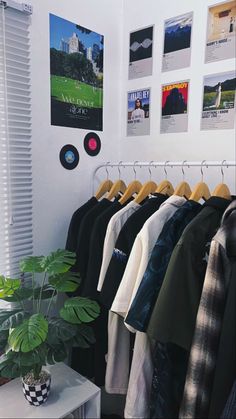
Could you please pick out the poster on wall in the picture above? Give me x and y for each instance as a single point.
(218, 107)
(177, 42)
(221, 31)
(174, 113)
(76, 70)
(138, 121)
(140, 53)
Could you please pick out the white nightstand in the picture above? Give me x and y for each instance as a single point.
(70, 394)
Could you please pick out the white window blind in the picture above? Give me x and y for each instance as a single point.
(16, 240)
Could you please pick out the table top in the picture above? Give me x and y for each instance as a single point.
(69, 390)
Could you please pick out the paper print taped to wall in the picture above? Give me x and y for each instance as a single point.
(138, 122)
(174, 115)
(218, 107)
(140, 53)
(221, 32)
(177, 42)
(76, 64)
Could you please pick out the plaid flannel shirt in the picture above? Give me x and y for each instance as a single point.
(203, 356)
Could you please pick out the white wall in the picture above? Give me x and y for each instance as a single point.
(58, 192)
(194, 144)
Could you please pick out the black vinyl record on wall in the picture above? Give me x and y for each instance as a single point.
(69, 156)
(92, 144)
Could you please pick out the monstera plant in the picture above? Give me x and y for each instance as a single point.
(30, 337)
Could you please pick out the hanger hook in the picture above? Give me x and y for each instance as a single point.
(222, 171)
(107, 163)
(182, 168)
(202, 163)
(149, 168)
(119, 164)
(135, 174)
(167, 161)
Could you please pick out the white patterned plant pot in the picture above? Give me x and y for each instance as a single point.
(36, 394)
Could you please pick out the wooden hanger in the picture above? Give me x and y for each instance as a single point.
(118, 186)
(104, 187)
(133, 187)
(201, 190)
(165, 187)
(222, 191)
(147, 188)
(183, 189)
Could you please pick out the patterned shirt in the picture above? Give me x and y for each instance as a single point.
(205, 344)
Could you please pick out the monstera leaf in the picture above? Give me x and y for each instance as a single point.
(31, 264)
(56, 353)
(85, 336)
(30, 334)
(60, 331)
(19, 295)
(79, 310)
(8, 286)
(9, 319)
(58, 262)
(66, 282)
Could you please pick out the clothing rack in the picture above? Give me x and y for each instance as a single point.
(204, 163)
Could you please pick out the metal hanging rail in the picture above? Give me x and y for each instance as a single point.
(165, 164)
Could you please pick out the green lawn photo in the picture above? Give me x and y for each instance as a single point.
(227, 96)
(76, 92)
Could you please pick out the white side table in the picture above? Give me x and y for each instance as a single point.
(70, 394)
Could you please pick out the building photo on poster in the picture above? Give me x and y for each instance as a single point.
(76, 70)
(218, 107)
(140, 53)
(138, 120)
(174, 113)
(177, 42)
(221, 31)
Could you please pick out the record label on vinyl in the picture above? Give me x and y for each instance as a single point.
(69, 157)
(92, 144)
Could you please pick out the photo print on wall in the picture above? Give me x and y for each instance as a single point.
(174, 114)
(177, 42)
(218, 108)
(140, 53)
(76, 69)
(221, 32)
(138, 117)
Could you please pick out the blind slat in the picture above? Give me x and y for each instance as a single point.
(16, 198)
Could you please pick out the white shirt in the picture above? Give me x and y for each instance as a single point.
(112, 232)
(138, 114)
(140, 254)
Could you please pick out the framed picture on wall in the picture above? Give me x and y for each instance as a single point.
(138, 114)
(177, 42)
(140, 53)
(218, 104)
(174, 108)
(221, 32)
(76, 70)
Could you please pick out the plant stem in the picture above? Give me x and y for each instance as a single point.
(41, 291)
(33, 289)
(50, 302)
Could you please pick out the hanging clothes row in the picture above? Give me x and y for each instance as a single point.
(162, 270)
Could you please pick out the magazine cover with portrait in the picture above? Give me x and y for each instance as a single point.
(174, 112)
(218, 106)
(140, 53)
(221, 31)
(138, 118)
(177, 42)
(76, 69)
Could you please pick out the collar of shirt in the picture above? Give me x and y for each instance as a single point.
(175, 200)
(217, 203)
